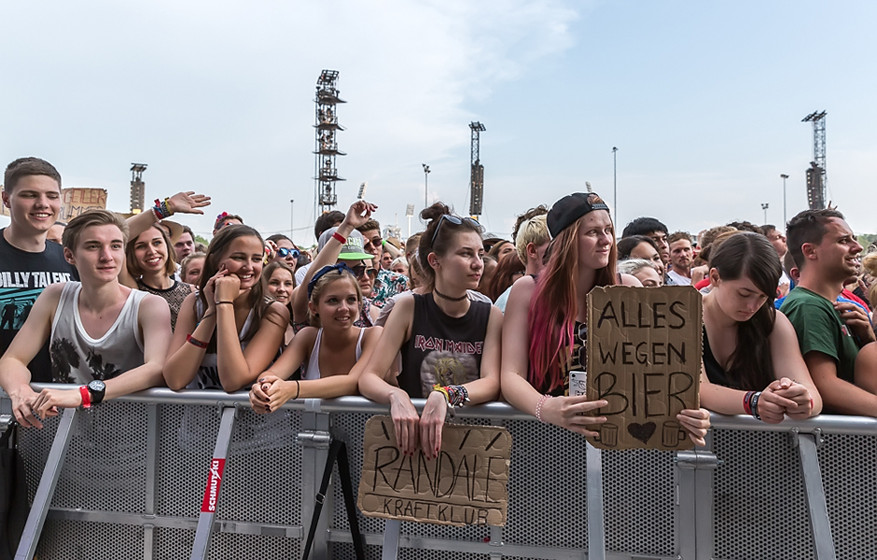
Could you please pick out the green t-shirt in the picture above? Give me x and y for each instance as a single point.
(820, 329)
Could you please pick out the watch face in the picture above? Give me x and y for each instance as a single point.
(97, 385)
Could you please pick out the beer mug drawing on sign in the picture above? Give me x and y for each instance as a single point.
(673, 433)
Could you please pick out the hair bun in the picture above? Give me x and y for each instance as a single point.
(437, 210)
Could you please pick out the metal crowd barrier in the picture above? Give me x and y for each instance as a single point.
(137, 477)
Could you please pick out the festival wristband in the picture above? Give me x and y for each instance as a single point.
(195, 342)
(340, 238)
(86, 396)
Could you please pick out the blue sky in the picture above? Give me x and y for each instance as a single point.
(704, 101)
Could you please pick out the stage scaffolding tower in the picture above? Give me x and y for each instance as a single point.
(476, 171)
(326, 144)
(817, 177)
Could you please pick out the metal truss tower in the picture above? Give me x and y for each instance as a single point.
(817, 176)
(476, 173)
(326, 145)
(138, 188)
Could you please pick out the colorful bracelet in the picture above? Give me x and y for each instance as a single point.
(161, 209)
(195, 342)
(747, 408)
(753, 405)
(340, 238)
(541, 402)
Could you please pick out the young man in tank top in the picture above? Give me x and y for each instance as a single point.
(103, 335)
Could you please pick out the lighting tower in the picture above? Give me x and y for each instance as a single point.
(325, 144)
(138, 188)
(476, 174)
(817, 177)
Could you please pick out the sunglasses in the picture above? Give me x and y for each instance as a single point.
(457, 221)
(360, 270)
(283, 252)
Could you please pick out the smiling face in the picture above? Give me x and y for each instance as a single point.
(739, 299)
(837, 254)
(243, 258)
(280, 285)
(596, 236)
(99, 253)
(150, 251)
(337, 303)
(34, 204)
(290, 258)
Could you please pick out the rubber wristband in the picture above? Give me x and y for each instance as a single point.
(195, 342)
(340, 238)
(747, 408)
(224, 302)
(86, 396)
(297, 389)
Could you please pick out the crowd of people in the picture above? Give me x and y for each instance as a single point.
(449, 316)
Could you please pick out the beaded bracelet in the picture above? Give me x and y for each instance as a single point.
(161, 209)
(541, 402)
(195, 342)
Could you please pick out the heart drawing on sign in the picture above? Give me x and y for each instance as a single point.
(642, 432)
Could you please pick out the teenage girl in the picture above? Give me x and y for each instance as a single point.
(226, 332)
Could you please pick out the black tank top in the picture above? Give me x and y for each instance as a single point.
(442, 349)
(714, 371)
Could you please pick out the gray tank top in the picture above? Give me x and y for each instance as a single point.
(79, 358)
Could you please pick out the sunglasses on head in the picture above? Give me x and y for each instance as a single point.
(283, 252)
(456, 220)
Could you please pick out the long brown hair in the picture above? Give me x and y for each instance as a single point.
(552, 314)
(218, 246)
(751, 255)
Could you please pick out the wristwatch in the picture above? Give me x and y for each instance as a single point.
(96, 389)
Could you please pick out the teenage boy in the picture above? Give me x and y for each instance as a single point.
(32, 193)
(111, 339)
(836, 337)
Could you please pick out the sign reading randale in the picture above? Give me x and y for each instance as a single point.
(644, 358)
(467, 484)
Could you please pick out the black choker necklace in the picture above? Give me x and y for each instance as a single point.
(449, 298)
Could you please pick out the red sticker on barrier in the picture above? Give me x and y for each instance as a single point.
(211, 491)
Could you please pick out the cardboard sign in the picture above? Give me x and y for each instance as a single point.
(76, 200)
(467, 484)
(644, 358)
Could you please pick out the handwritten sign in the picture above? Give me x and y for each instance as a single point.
(644, 358)
(467, 484)
(76, 200)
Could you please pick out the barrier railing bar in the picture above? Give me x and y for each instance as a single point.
(315, 439)
(704, 498)
(473, 547)
(390, 545)
(168, 522)
(220, 453)
(43, 498)
(596, 525)
(496, 541)
(686, 518)
(150, 482)
(815, 493)
(825, 423)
